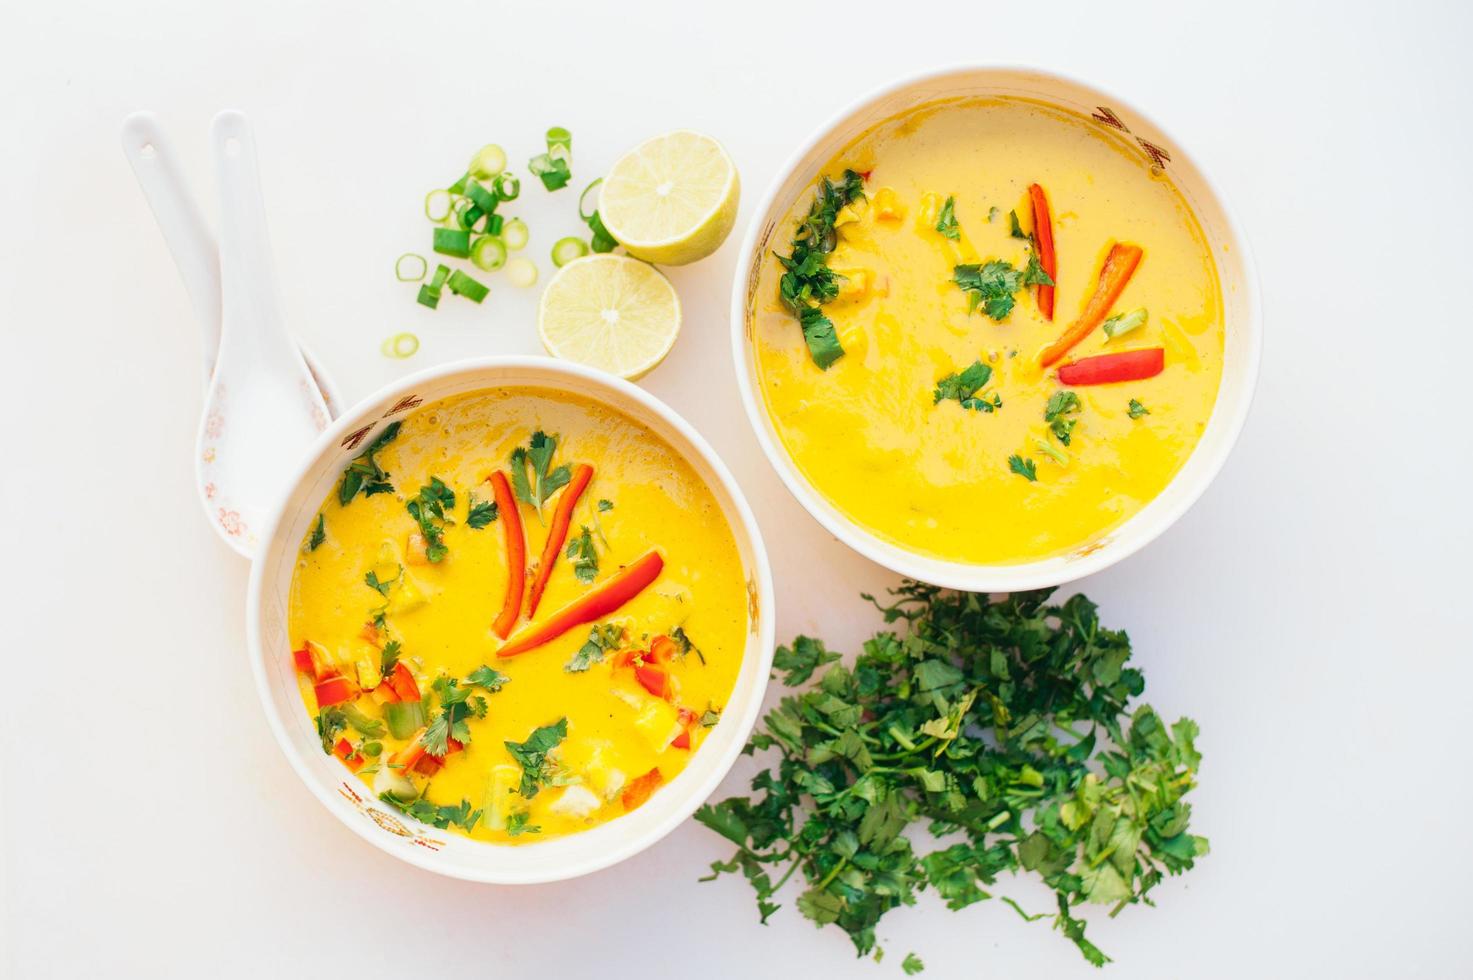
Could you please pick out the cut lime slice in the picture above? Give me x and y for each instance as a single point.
(672, 199)
(610, 312)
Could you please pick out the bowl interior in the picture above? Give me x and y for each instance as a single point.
(1240, 310)
(440, 850)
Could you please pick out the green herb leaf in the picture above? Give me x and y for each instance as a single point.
(487, 678)
(534, 487)
(684, 646)
(1033, 272)
(1136, 409)
(382, 587)
(807, 280)
(364, 472)
(516, 824)
(584, 557)
(481, 513)
(388, 657)
(319, 534)
(912, 964)
(946, 221)
(1023, 467)
(429, 510)
(532, 755)
(1061, 404)
(605, 505)
(460, 815)
(990, 285)
(601, 639)
(963, 387)
(1015, 229)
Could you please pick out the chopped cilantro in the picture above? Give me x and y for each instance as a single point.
(946, 222)
(1023, 467)
(601, 639)
(992, 214)
(683, 645)
(516, 824)
(442, 817)
(481, 513)
(1061, 403)
(807, 280)
(1015, 229)
(364, 471)
(456, 705)
(1136, 409)
(584, 557)
(544, 481)
(1034, 274)
(532, 754)
(963, 387)
(319, 534)
(388, 657)
(487, 678)
(710, 717)
(429, 510)
(990, 285)
(382, 586)
(605, 505)
(330, 724)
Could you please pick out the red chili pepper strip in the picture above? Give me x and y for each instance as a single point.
(1127, 365)
(403, 682)
(1114, 274)
(641, 788)
(603, 600)
(334, 690)
(344, 750)
(1043, 234)
(516, 555)
(557, 534)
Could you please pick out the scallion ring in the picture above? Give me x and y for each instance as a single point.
(488, 253)
(507, 185)
(559, 138)
(489, 161)
(514, 234)
(437, 205)
(565, 250)
(400, 346)
(494, 224)
(521, 272)
(484, 199)
(411, 267)
(587, 215)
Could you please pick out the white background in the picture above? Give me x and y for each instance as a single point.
(1311, 612)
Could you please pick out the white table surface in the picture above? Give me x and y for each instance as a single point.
(1308, 612)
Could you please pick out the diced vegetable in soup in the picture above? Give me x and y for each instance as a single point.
(518, 615)
(991, 333)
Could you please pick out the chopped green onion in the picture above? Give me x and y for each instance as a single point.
(428, 297)
(514, 235)
(442, 272)
(459, 186)
(463, 285)
(557, 137)
(494, 224)
(1049, 450)
(1125, 322)
(453, 241)
(521, 272)
(488, 253)
(602, 240)
(508, 186)
(484, 199)
(489, 161)
(468, 216)
(401, 345)
(554, 173)
(437, 205)
(411, 267)
(565, 250)
(583, 198)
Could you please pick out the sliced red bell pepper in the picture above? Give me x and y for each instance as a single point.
(516, 555)
(428, 765)
(335, 690)
(557, 534)
(344, 750)
(401, 679)
(385, 694)
(662, 650)
(602, 601)
(1127, 365)
(312, 659)
(654, 680)
(1043, 235)
(641, 788)
(1119, 266)
(409, 756)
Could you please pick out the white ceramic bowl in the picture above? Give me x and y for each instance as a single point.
(344, 795)
(1240, 304)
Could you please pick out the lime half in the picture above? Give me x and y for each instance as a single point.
(671, 199)
(610, 312)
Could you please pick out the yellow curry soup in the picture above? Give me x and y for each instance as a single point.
(398, 593)
(934, 256)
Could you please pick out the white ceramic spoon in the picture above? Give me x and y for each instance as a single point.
(263, 408)
(151, 154)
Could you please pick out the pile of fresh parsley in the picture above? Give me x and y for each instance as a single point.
(808, 281)
(989, 737)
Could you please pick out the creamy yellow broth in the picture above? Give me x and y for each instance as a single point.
(442, 613)
(935, 478)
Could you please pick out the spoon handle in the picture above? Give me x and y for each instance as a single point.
(156, 166)
(253, 328)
